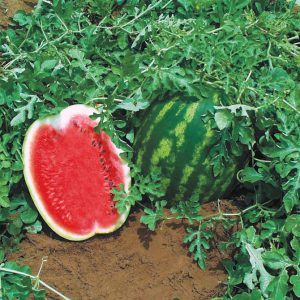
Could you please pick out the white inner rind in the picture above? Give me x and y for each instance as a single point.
(61, 121)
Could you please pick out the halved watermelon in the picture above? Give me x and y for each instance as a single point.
(70, 171)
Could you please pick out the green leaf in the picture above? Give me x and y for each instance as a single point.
(280, 80)
(290, 199)
(275, 260)
(197, 238)
(151, 217)
(29, 215)
(292, 224)
(268, 229)
(257, 266)
(4, 201)
(254, 295)
(129, 65)
(141, 36)
(238, 109)
(29, 108)
(249, 174)
(2, 255)
(39, 295)
(188, 209)
(223, 119)
(130, 136)
(295, 243)
(14, 229)
(48, 64)
(123, 40)
(77, 54)
(237, 269)
(34, 228)
(174, 77)
(22, 18)
(278, 287)
(295, 281)
(136, 103)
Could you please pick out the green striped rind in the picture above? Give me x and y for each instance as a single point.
(175, 138)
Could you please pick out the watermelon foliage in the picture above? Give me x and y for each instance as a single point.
(128, 54)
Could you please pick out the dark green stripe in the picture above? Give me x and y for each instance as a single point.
(162, 130)
(150, 125)
(194, 135)
(220, 183)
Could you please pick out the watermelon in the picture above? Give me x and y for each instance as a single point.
(70, 171)
(174, 137)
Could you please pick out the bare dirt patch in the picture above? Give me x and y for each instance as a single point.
(132, 263)
(9, 7)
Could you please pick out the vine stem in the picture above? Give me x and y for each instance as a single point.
(244, 87)
(290, 105)
(143, 13)
(220, 214)
(150, 7)
(238, 214)
(35, 278)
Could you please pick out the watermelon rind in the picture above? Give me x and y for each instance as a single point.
(59, 121)
(174, 137)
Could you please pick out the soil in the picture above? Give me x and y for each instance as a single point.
(132, 263)
(9, 7)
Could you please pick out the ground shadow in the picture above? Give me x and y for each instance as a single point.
(145, 236)
(178, 225)
(218, 267)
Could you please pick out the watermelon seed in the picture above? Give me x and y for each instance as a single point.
(51, 194)
(69, 216)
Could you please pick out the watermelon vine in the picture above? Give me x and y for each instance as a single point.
(126, 55)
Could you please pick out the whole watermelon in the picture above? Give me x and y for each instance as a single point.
(174, 137)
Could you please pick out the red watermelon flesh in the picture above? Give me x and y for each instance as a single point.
(70, 171)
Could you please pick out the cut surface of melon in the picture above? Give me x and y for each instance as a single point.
(70, 171)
